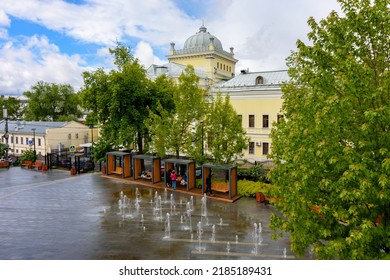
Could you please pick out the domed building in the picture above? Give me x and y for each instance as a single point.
(256, 96)
(204, 51)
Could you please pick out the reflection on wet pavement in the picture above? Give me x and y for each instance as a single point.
(54, 215)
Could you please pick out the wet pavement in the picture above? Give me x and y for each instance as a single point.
(55, 216)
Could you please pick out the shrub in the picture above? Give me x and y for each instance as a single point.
(248, 188)
(27, 155)
(255, 173)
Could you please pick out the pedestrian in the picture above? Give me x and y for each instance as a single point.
(168, 178)
(173, 179)
(208, 184)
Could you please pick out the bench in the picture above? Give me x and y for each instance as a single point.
(179, 181)
(4, 164)
(38, 165)
(118, 170)
(220, 187)
(27, 163)
(146, 175)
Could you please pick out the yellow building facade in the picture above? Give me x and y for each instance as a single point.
(48, 136)
(256, 96)
(204, 51)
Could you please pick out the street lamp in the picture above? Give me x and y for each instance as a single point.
(202, 140)
(5, 115)
(35, 153)
(91, 148)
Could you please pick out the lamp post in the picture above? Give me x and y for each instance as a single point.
(5, 115)
(35, 153)
(91, 148)
(202, 139)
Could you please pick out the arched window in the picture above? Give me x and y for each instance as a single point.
(259, 80)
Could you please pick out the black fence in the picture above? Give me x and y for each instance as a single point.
(66, 160)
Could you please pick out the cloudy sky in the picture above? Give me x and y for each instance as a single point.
(56, 40)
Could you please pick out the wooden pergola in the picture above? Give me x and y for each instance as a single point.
(230, 187)
(190, 167)
(154, 174)
(119, 163)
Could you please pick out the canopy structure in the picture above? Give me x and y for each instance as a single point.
(119, 163)
(230, 186)
(183, 167)
(153, 173)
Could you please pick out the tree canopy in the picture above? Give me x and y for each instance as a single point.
(333, 151)
(52, 102)
(225, 135)
(173, 128)
(13, 106)
(120, 101)
(195, 121)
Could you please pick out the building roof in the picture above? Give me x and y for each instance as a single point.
(202, 39)
(255, 79)
(172, 70)
(201, 43)
(26, 127)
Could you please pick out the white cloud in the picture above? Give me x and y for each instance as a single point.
(34, 59)
(144, 52)
(4, 22)
(262, 32)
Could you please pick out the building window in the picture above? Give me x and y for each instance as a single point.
(279, 118)
(16, 140)
(251, 148)
(77, 136)
(12, 139)
(27, 140)
(217, 64)
(39, 141)
(21, 140)
(259, 80)
(265, 121)
(240, 118)
(265, 148)
(17, 151)
(251, 120)
(69, 136)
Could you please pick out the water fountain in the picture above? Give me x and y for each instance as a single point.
(204, 217)
(188, 215)
(255, 239)
(172, 204)
(199, 232)
(260, 237)
(228, 247)
(137, 195)
(168, 227)
(179, 218)
(212, 239)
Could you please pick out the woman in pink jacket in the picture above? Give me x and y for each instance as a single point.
(173, 179)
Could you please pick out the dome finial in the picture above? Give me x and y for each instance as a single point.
(202, 28)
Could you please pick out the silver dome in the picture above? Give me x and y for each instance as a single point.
(202, 39)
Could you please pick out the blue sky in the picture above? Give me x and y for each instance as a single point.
(56, 40)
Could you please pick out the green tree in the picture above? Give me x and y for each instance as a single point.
(3, 148)
(333, 151)
(27, 155)
(120, 100)
(173, 132)
(52, 102)
(225, 136)
(13, 106)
